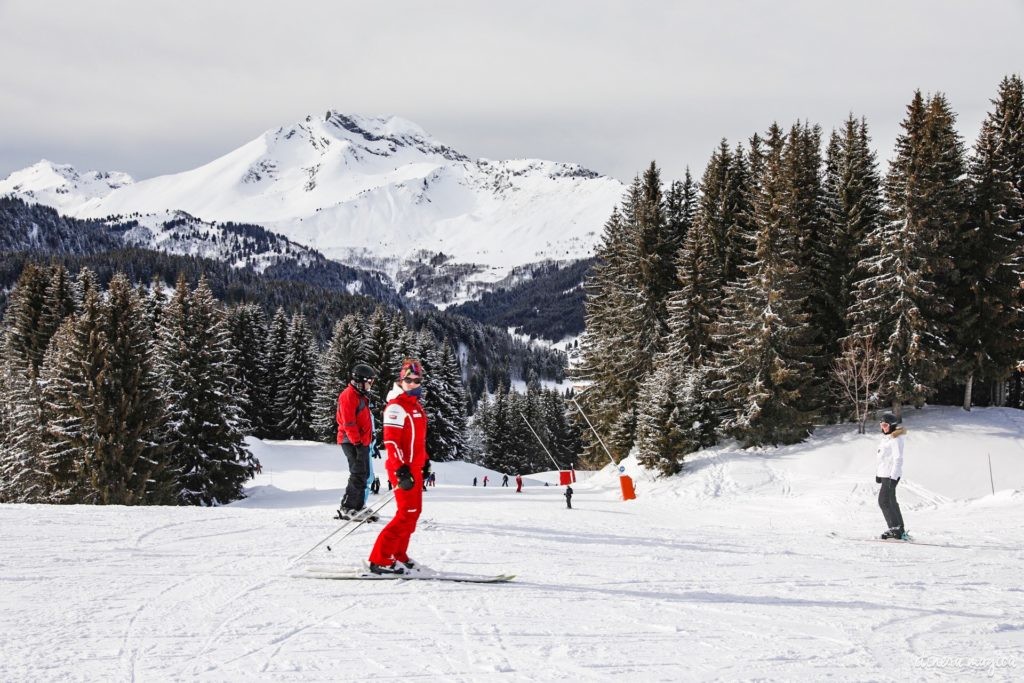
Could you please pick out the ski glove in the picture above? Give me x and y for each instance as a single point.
(426, 469)
(404, 477)
(878, 480)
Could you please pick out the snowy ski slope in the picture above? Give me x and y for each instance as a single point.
(726, 572)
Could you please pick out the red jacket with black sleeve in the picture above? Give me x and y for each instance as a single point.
(405, 434)
(354, 424)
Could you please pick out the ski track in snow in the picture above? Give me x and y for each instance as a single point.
(724, 573)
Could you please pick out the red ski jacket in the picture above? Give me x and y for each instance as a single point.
(405, 433)
(354, 425)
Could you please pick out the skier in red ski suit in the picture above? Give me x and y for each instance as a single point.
(405, 437)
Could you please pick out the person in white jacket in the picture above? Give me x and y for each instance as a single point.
(889, 473)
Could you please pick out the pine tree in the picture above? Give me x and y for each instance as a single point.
(906, 300)
(989, 320)
(626, 319)
(761, 372)
(566, 437)
(694, 307)
(247, 330)
(154, 303)
(384, 344)
(26, 337)
(500, 445)
(124, 462)
(74, 409)
(298, 391)
(205, 441)
(343, 352)
(806, 224)
(276, 356)
(852, 187)
(680, 211)
(58, 303)
(446, 437)
(679, 419)
(23, 474)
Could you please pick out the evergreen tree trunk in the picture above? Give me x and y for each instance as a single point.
(968, 388)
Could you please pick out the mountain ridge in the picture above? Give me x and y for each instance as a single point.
(346, 184)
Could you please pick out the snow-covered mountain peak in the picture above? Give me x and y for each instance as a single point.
(61, 186)
(358, 138)
(363, 188)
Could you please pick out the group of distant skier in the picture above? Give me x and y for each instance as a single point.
(408, 464)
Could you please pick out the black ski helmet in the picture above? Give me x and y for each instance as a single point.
(891, 420)
(362, 373)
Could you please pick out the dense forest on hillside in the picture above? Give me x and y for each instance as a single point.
(739, 305)
(545, 301)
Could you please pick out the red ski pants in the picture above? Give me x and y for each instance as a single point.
(393, 542)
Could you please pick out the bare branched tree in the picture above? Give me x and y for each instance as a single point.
(856, 371)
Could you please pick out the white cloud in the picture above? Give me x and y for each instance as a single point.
(160, 86)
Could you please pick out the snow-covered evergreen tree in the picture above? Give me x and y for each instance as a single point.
(343, 352)
(26, 337)
(385, 345)
(446, 399)
(500, 441)
(204, 436)
(276, 355)
(989, 317)
(625, 319)
(761, 372)
(74, 408)
(58, 304)
(811, 234)
(906, 300)
(853, 209)
(565, 434)
(23, 474)
(124, 462)
(298, 390)
(247, 329)
(679, 417)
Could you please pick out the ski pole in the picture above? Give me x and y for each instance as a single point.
(345, 524)
(357, 525)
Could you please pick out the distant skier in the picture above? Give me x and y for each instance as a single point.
(888, 474)
(485, 480)
(432, 479)
(355, 434)
(519, 483)
(375, 486)
(405, 436)
(474, 481)
(504, 480)
(568, 497)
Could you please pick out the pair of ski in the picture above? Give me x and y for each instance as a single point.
(909, 540)
(354, 574)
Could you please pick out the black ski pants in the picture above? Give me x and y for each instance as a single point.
(358, 470)
(887, 501)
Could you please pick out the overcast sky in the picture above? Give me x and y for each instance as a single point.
(157, 86)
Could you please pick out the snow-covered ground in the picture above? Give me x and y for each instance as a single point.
(725, 572)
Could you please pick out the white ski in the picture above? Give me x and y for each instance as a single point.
(355, 574)
(906, 541)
